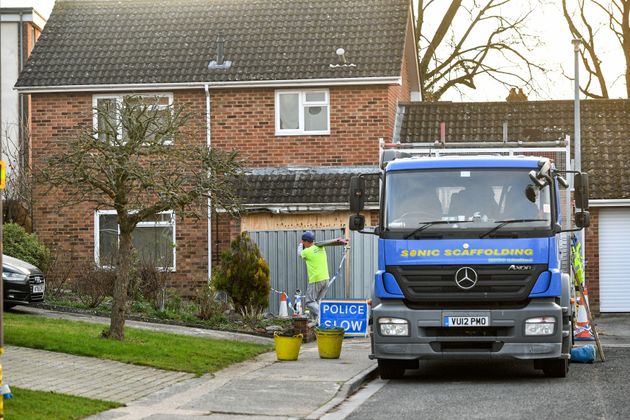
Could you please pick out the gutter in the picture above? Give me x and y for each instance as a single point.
(299, 207)
(215, 85)
(618, 202)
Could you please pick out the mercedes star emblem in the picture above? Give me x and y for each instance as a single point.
(466, 278)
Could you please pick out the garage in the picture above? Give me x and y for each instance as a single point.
(614, 261)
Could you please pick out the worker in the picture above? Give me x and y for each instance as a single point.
(317, 269)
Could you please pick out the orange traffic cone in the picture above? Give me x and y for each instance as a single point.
(583, 331)
(284, 309)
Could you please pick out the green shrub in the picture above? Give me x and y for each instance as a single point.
(26, 246)
(244, 274)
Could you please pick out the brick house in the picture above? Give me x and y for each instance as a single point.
(306, 84)
(605, 128)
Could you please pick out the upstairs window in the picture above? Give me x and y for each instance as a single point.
(107, 113)
(302, 112)
(153, 239)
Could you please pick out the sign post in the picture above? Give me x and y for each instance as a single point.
(350, 314)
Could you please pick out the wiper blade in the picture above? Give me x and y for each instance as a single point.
(426, 225)
(502, 223)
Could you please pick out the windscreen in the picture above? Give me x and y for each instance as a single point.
(465, 200)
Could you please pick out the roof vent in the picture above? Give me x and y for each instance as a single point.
(341, 56)
(341, 59)
(220, 63)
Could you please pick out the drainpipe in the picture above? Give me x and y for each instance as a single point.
(20, 157)
(209, 144)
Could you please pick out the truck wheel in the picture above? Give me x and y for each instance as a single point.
(391, 369)
(555, 368)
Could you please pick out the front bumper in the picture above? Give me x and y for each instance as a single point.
(23, 292)
(504, 338)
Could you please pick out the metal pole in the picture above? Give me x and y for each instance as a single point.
(576, 106)
(576, 125)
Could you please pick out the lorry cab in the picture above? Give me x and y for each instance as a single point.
(469, 262)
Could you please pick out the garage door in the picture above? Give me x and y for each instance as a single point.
(614, 261)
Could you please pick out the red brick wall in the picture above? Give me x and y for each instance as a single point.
(592, 260)
(245, 120)
(70, 228)
(242, 119)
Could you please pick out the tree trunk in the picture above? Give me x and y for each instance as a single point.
(117, 326)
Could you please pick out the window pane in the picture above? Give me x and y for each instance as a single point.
(154, 245)
(107, 238)
(289, 112)
(107, 124)
(316, 118)
(315, 96)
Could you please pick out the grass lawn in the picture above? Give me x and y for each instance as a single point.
(160, 350)
(42, 405)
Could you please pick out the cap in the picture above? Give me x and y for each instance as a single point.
(308, 236)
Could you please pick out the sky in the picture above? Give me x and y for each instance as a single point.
(556, 54)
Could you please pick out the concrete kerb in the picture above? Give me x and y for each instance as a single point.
(349, 388)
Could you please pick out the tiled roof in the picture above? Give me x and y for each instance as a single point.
(321, 186)
(89, 42)
(605, 131)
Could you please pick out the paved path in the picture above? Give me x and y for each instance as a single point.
(262, 388)
(83, 376)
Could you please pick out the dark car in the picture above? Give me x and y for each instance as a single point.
(23, 282)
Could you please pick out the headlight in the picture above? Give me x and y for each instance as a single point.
(14, 277)
(393, 326)
(544, 325)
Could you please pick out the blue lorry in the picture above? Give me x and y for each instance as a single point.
(469, 260)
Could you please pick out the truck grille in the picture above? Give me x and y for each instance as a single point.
(435, 286)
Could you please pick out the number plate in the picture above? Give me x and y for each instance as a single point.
(39, 288)
(466, 321)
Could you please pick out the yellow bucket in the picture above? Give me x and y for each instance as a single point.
(329, 342)
(287, 348)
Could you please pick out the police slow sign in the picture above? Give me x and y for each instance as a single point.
(351, 315)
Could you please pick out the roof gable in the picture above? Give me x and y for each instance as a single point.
(103, 42)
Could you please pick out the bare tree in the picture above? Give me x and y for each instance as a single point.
(587, 26)
(141, 160)
(18, 190)
(471, 41)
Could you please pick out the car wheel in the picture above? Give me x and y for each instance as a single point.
(9, 305)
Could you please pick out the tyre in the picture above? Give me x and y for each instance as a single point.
(9, 305)
(555, 368)
(567, 342)
(391, 369)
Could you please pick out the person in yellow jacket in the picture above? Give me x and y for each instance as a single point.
(317, 269)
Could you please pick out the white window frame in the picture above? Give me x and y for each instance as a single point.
(119, 98)
(300, 131)
(172, 223)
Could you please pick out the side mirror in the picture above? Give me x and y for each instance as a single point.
(357, 194)
(534, 177)
(582, 219)
(581, 190)
(356, 222)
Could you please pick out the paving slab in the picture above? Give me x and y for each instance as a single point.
(83, 376)
(263, 388)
